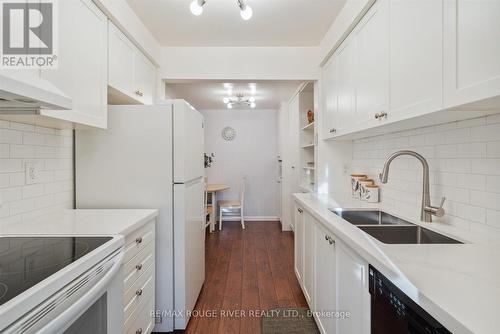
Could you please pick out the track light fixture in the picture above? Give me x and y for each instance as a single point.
(246, 11)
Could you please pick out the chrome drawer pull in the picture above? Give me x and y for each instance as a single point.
(138, 240)
(139, 331)
(138, 92)
(138, 267)
(138, 292)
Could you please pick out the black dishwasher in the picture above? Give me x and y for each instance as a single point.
(394, 312)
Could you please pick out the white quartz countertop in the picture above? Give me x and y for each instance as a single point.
(82, 222)
(458, 284)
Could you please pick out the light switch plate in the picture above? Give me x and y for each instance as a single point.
(32, 170)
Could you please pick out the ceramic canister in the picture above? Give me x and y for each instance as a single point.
(362, 188)
(371, 193)
(355, 178)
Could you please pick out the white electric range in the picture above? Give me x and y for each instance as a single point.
(61, 284)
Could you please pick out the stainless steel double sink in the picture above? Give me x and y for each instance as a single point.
(390, 229)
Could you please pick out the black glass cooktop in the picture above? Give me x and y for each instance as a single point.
(26, 261)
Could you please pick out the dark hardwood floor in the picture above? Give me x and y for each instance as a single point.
(246, 271)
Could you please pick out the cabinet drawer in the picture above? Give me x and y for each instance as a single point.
(140, 292)
(138, 240)
(134, 268)
(142, 322)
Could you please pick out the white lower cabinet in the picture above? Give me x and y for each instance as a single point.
(308, 277)
(324, 283)
(139, 280)
(299, 243)
(334, 279)
(352, 291)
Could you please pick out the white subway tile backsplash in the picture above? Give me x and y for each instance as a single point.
(53, 151)
(464, 159)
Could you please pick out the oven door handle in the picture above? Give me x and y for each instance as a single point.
(65, 319)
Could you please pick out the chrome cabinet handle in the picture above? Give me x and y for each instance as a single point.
(138, 92)
(139, 331)
(333, 130)
(331, 241)
(138, 267)
(138, 292)
(300, 210)
(381, 114)
(138, 240)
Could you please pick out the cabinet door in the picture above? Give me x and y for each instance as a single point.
(346, 86)
(308, 277)
(82, 67)
(371, 37)
(471, 51)
(324, 282)
(330, 94)
(121, 61)
(416, 57)
(293, 166)
(145, 77)
(299, 243)
(352, 291)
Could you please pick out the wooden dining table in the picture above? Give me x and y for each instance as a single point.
(213, 189)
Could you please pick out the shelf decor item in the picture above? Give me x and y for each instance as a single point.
(363, 184)
(310, 116)
(371, 194)
(355, 178)
(228, 133)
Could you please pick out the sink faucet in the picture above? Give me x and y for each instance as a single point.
(427, 209)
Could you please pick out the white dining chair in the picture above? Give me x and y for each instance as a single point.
(232, 207)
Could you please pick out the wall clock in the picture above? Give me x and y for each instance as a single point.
(228, 133)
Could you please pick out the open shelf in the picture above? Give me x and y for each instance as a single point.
(307, 146)
(308, 168)
(309, 126)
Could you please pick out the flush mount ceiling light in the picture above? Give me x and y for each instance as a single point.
(240, 100)
(246, 11)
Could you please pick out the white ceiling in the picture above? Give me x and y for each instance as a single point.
(274, 22)
(208, 95)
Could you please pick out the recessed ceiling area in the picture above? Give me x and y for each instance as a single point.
(209, 95)
(274, 22)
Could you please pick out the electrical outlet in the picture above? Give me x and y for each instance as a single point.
(32, 172)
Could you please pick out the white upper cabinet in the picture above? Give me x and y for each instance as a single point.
(371, 37)
(121, 61)
(82, 63)
(346, 86)
(471, 50)
(324, 283)
(330, 95)
(132, 76)
(416, 60)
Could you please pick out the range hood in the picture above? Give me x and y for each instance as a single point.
(19, 96)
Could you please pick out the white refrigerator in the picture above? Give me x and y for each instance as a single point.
(152, 157)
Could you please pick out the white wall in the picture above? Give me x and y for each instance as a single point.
(253, 153)
(464, 159)
(240, 63)
(53, 150)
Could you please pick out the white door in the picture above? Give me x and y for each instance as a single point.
(299, 243)
(188, 142)
(293, 152)
(372, 63)
(324, 282)
(352, 291)
(471, 50)
(82, 68)
(416, 57)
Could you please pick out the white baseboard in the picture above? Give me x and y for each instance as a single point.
(254, 218)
